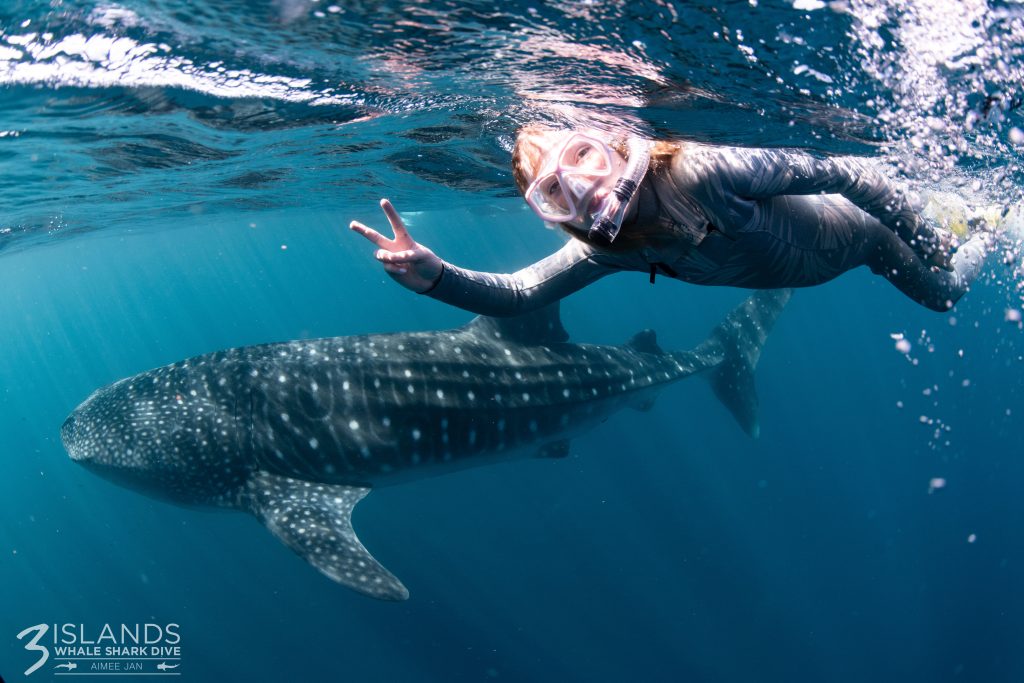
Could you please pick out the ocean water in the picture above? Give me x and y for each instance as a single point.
(177, 178)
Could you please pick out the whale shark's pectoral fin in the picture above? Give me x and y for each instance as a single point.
(315, 520)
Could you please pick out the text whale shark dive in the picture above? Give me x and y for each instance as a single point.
(299, 432)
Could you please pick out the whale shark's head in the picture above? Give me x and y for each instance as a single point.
(152, 432)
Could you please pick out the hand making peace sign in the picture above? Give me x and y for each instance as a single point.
(409, 263)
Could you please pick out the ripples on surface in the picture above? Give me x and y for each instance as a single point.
(115, 113)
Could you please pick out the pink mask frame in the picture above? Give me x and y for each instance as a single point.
(556, 195)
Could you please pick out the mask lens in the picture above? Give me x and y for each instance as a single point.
(586, 155)
(549, 199)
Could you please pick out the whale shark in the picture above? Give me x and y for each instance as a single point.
(297, 433)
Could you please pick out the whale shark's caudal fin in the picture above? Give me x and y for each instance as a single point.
(315, 520)
(740, 338)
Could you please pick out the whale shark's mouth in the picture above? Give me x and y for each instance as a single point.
(71, 444)
(76, 439)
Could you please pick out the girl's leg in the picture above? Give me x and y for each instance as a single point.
(935, 288)
(799, 241)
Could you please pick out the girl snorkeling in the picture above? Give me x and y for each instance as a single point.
(710, 215)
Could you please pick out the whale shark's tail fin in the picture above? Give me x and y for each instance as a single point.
(738, 341)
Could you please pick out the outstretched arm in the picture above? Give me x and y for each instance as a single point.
(568, 270)
(414, 266)
(760, 174)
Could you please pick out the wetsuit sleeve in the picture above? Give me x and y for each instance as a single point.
(571, 268)
(761, 174)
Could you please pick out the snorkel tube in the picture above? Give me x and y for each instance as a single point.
(608, 220)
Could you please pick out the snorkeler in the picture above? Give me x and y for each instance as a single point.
(755, 218)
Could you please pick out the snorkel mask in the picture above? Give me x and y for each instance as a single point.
(565, 192)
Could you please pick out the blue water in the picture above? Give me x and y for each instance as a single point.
(156, 210)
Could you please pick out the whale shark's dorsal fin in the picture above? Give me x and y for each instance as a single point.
(542, 326)
(645, 341)
(315, 520)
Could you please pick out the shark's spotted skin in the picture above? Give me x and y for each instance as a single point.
(413, 407)
(297, 433)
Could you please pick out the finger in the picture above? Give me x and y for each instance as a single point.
(371, 234)
(386, 256)
(401, 234)
(394, 269)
